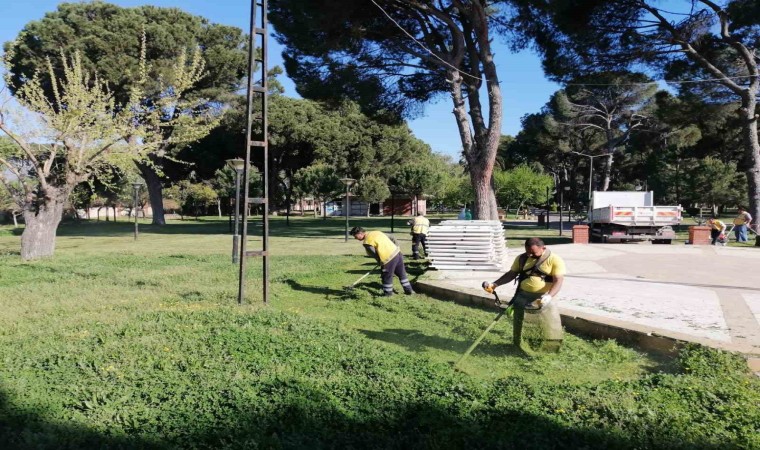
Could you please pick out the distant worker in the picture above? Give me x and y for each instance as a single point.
(742, 221)
(539, 274)
(388, 256)
(420, 227)
(717, 229)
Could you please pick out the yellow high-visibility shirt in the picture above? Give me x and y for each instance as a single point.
(554, 266)
(385, 248)
(718, 225)
(420, 225)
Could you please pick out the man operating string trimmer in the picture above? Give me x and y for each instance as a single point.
(388, 255)
(539, 275)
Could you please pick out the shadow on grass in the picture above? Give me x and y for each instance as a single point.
(304, 415)
(332, 228)
(319, 290)
(419, 342)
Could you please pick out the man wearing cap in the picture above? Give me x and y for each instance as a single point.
(388, 255)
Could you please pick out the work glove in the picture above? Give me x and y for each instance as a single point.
(488, 287)
(539, 303)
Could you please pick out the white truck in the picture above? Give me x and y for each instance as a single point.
(630, 216)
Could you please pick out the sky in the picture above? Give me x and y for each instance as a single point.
(524, 88)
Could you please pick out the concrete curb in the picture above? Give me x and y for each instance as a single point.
(597, 327)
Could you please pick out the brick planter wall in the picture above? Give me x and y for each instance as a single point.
(699, 235)
(580, 234)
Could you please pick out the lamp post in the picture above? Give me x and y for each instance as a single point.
(348, 182)
(237, 165)
(136, 187)
(590, 170)
(561, 203)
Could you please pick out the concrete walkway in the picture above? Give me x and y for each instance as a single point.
(655, 295)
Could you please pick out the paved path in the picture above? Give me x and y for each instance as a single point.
(703, 294)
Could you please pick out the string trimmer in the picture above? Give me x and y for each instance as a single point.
(506, 308)
(350, 288)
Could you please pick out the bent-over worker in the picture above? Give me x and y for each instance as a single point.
(388, 255)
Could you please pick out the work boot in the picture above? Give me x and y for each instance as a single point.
(416, 256)
(409, 291)
(387, 293)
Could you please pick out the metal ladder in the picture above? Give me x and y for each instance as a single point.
(256, 92)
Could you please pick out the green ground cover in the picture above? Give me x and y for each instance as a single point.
(116, 343)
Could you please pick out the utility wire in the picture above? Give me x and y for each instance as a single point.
(706, 80)
(398, 25)
(421, 44)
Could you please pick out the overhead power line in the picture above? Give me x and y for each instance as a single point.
(706, 80)
(398, 25)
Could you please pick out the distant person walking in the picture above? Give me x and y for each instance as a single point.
(742, 221)
(420, 227)
(388, 256)
(717, 228)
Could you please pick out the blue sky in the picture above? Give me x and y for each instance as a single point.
(523, 85)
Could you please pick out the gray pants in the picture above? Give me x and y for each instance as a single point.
(395, 267)
(539, 329)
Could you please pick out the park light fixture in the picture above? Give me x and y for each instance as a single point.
(348, 182)
(237, 164)
(136, 186)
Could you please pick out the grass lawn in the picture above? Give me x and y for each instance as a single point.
(116, 343)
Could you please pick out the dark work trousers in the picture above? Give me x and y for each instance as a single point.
(395, 266)
(418, 238)
(714, 235)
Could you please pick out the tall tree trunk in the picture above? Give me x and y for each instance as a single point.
(607, 175)
(485, 207)
(155, 192)
(38, 238)
(752, 154)
(480, 138)
(219, 207)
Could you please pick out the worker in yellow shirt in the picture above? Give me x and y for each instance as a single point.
(420, 227)
(717, 228)
(388, 255)
(539, 274)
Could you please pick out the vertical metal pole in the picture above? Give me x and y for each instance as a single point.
(265, 124)
(235, 234)
(590, 177)
(347, 205)
(548, 208)
(560, 211)
(393, 209)
(137, 197)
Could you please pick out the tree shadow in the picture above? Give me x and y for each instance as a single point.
(319, 290)
(332, 228)
(316, 416)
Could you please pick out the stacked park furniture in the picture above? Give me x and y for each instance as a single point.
(467, 245)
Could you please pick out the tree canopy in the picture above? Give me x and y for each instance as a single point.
(392, 57)
(112, 42)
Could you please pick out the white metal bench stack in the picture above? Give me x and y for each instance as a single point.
(467, 245)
